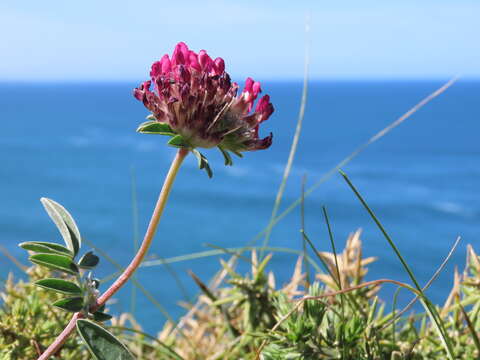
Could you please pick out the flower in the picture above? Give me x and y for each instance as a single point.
(195, 101)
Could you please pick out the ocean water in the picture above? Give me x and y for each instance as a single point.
(76, 143)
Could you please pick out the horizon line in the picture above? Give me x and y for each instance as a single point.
(266, 79)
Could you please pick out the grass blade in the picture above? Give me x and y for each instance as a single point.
(293, 148)
(427, 285)
(304, 243)
(355, 153)
(334, 250)
(232, 251)
(427, 304)
(319, 257)
(471, 327)
(384, 232)
(332, 242)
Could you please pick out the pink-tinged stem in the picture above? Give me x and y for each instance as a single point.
(137, 260)
(152, 228)
(60, 340)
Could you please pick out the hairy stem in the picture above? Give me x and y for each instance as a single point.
(137, 260)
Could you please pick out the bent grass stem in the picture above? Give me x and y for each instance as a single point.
(137, 260)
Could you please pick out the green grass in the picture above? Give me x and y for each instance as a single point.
(338, 315)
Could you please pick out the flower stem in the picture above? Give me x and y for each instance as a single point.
(152, 228)
(137, 260)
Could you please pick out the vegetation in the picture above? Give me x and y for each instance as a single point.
(236, 316)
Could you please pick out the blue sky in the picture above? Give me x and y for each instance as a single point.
(118, 40)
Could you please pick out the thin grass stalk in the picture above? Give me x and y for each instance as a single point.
(324, 264)
(233, 331)
(351, 299)
(332, 243)
(296, 137)
(394, 308)
(13, 259)
(471, 328)
(231, 251)
(355, 153)
(235, 253)
(304, 243)
(427, 285)
(425, 301)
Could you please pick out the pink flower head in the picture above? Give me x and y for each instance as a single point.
(194, 96)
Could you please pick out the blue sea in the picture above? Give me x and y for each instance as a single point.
(76, 144)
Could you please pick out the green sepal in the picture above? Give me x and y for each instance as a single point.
(101, 343)
(178, 141)
(155, 127)
(65, 224)
(89, 261)
(55, 262)
(227, 157)
(203, 162)
(59, 285)
(238, 153)
(101, 316)
(46, 248)
(96, 283)
(73, 304)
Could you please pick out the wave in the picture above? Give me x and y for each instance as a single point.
(449, 207)
(98, 138)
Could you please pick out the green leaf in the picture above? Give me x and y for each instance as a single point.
(101, 343)
(226, 155)
(65, 224)
(46, 248)
(73, 304)
(61, 286)
(101, 316)
(55, 262)
(178, 141)
(150, 117)
(155, 127)
(89, 260)
(203, 162)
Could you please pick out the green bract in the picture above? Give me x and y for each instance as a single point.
(178, 141)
